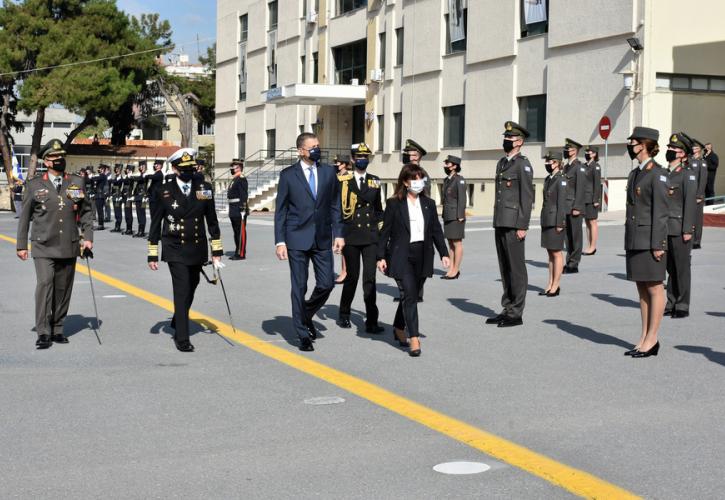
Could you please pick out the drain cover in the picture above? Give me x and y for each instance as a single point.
(461, 468)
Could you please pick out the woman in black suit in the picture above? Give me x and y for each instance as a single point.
(405, 248)
(553, 222)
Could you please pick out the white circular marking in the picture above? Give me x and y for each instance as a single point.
(461, 468)
(324, 400)
(114, 296)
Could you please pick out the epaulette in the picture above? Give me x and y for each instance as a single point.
(343, 178)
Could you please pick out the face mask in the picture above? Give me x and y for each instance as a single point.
(565, 152)
(670, 156)
(417, 186)
(508, 145)
(406, 158)
(59, 164)
(549, 167)
(361, 163)
(315, 154)
(186, 175)
(587, 156)
(233, 171)
(446, 171)
(630, 150)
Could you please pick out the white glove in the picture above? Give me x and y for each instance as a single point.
(218, 264)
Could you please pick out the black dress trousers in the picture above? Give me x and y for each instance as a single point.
(184, 280)
(353, 254)
(409, 287)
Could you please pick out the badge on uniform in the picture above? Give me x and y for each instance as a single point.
(597, 167)
(75, 193)
(166, 194)
(40, 195)
(508, 183)
(692, 178)
(204, 194)
(663, 178)
(563, 183)
(638, 191)
(527, 168)
(462, 182)
(582, 169)
(373, 183)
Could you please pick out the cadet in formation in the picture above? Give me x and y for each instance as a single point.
(186, 208)
(362, 216)
(156, 179)
(454, 214)
(237, 197)
(140, 199)
(593, 197)
(698, 166)
(117, 198)
(575, 174)
(62, 228)
(511, 216)
(100, 181)
(127, 185)
(553, 221)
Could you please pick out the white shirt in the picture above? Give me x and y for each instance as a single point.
(52, 178)
(181, 185)
(417, 223)
(359, 180)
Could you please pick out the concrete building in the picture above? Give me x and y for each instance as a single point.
(448, 73)
(59, 122)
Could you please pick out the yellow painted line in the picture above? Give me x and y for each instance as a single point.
(573, 480)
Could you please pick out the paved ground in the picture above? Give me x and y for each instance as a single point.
(134, 418)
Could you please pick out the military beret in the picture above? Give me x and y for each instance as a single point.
(593, 149)
(454, 159)
(53, 147)
(680, 141)
(645, 133)
(360, 149)
(183, 158)
(513, 129)
(411, 145)
(571, 144)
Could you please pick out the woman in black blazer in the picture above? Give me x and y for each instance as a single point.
(405, 248)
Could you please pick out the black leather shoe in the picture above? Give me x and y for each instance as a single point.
(59, 338)
(590, 253)
(506, 322)
(43, 342)
(306, 345)
(311, 330)
(115, 230)
(668, 312)
(496, 319)
(100, 228)
(344, 323)
(554, 294)
(680, 314)
(184, 345)
(235, 257)
(543, 292)
(696, 246)
(414, 353)
(374, 329)
(630, 352)
(646, 354)
(128, 232)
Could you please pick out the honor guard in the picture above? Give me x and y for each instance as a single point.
(100, 180)
(362, 213)
(682, 197)
(107, 194)
(186, 208)
(156, 179)
(593, 195)
(576, 184)
(62, 218)
(454, 213)
(140, 199)
(511, 215)
(117, 197)
(127, 186)
(699, 167)
(237, 197)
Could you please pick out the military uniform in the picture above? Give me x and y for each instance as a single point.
(512, 212)
(362, 212)
(699, 168)
(156, 179)
(454, 203)
(100, 181)
(575, 173)
(554, 211)
(127, 186)
(682, 193)
(237, 197)
(117, 199)
(593, 187)
(180, 223)
(61, 215)
(140, 197)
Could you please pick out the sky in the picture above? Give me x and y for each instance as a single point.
(188, 19)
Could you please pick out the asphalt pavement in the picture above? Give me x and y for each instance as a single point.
(134, 418)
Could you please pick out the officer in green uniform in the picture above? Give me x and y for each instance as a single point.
(186, 203)
(62, 218)
(511, 215)
(593, 195)
(362, 212)
(454, 214)
(576, 181)
(698, 166)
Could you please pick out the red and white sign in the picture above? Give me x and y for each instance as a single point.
(605, 127)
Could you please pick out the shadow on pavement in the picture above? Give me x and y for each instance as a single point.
(357, 318)
(536, 263)
(617, 301)
(586, 333)
(467, 306)
(283, 327)
(714, 356)
(619, 276)
(75, 323)
(716, 314)
(203, 326)
(534, 288)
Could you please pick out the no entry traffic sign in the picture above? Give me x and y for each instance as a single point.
(605, 127)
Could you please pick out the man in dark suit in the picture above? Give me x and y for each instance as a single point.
(237, 197)
(116, 197)
(185, 204)
(307, 217)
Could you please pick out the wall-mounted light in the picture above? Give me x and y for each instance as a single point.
(635, 44)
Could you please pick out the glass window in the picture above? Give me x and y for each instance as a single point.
(381, 132)
(398, 119)
(699, 83)
(315, 67)
(62, 124)
(662, 81)
(271, 142)
(303, 76)
(717, 84)
(241, 146)
(243, 71)
(457, 31)
(532, 115)
(348, 5)
(680, 83)
(272, 10)
(304, 8)
(350, 62)
(399, 45)
(454, 118)
(243, 28)
(382, 51)
(204, 129)
(534, 17)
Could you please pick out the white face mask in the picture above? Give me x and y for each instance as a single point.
(416, 186)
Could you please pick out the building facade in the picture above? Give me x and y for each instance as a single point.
(449, 73)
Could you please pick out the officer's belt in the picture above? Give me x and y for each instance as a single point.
(235, 200)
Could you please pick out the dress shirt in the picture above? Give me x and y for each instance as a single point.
(417, 224)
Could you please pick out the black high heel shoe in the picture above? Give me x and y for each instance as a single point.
(544, 292)
(630, 352)
(554, 294)
(455, 277)
(401, 343)
(590, 253)
(646, 354)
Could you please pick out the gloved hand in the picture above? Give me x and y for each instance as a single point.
(217, 263)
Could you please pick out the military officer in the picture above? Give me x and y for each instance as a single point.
(682, 193)
(107, 194)
(186, 207)
(18, 185)
(117, 197)
(511, 215)
(454, 214)
(237, 197)
(698, 165)
(553, 221)
(127, 187)
(155, 181)
(140, 198)
(362, 212)
(593, 197)
(100, 180)
(575, 174)
(57, 205)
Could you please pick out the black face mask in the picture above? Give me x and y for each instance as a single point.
(549, 167)
(186, 175)
(630, 150)
(233, 170)
(59, 164)
(565, 153)
(670, 156)
(508, 146)
(406, 158)
(587, 156)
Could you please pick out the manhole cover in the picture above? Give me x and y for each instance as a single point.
(461, 468)
(324, 400)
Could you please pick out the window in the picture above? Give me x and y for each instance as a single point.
(534, 17)
(398, 119)
(243, 68)
(204, 129)
(381, 132)
(272, 11)
(243, 28)
(303, 76)
(272, 59)
(315, 67)
(271, 142)
(692, 83)
(454, 126)
(456, 30)
(304, 8)
(348, 5)
(61, 124)
(241, 146)
(350, 62)
(532, 115)
(399, 46)
(382, 50)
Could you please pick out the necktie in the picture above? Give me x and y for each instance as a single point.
(186, 190)
(360, 182)
(313, 184)
(57, 183)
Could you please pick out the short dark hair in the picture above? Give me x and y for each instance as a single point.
(303, 137)
(409, 172)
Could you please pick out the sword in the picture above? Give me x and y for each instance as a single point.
(87, 255)
(217, 277)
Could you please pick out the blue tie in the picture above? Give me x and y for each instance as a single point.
(313, 184)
